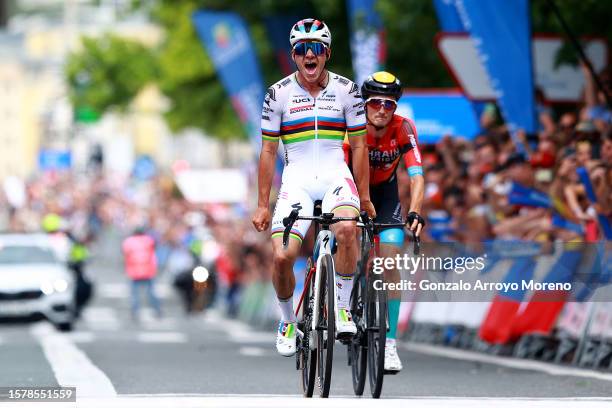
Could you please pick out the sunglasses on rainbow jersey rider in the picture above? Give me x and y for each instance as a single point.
(317, 48)
(376, 103)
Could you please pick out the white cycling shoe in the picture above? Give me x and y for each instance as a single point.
(285, 338)
(345, 326)
(393, 365)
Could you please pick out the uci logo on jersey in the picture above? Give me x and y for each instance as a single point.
(300, 100)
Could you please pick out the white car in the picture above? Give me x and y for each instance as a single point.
(34, 281)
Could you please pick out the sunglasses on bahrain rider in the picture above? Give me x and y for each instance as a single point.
(317, 48)
(376, 103)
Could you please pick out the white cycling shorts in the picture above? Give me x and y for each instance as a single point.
(340, 193)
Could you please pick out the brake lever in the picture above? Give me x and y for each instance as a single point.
(367, 223)
(416, 239)
(417, 243)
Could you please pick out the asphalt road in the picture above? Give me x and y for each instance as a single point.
(209, 361)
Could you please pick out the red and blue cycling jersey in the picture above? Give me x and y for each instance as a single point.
(386, 152)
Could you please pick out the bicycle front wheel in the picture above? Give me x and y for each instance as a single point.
(326, 332)
(376, 314)
(358, 351)
(307, 354)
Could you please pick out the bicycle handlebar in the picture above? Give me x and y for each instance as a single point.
(328, 219)
(374, 228)
(323, 219)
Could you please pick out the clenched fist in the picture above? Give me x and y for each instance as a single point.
(261, 219)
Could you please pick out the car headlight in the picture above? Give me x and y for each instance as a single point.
(200, 274)
(60, 285)
(47, 288)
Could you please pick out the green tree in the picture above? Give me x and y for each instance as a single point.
(188, 77)
(108, 72)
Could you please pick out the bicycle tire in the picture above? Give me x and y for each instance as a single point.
(307, 354)
(376, 312)
(358, 351)
(326, 333)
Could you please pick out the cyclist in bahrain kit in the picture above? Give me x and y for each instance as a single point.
(311, 110)
(389, 137)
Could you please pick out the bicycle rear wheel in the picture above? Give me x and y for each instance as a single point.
(307, 353)
(326, 333)
(376, 315)
(358, 351)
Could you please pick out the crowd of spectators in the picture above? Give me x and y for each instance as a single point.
(470, 186)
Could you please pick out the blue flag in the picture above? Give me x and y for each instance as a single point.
(228, 43)
(367, 38)
(501, 31)
(448, 16)
(278, 27)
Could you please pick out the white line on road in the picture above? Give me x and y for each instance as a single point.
(81, 337)
(511, 362)
(271, 401)
(70, 365)
(148, 319)
(115, 290)
(121, 290)
(162, 337)
(253, 351)
(101, 318)
(252, 337)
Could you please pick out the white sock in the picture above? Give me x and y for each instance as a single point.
(286, 307)
(344, 286)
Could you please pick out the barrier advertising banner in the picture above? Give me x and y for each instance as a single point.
(438, 113)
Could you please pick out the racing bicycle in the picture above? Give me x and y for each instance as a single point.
(366, 351)
(316, 333)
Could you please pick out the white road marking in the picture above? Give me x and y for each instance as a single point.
(81, 336)
(272, 401)
(252, 337)
(161, 337)
(114, 290)
(70, 365)
(101, 318)
(253, 351)
(150, 321)
(121, 290)
(511, 362)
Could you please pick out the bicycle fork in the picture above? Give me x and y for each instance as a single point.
(322, 247)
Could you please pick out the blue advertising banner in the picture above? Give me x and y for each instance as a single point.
(367, 38)
(501, 31)
(227, 41)
(437, 114)
(50, 159)
(448, 16)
